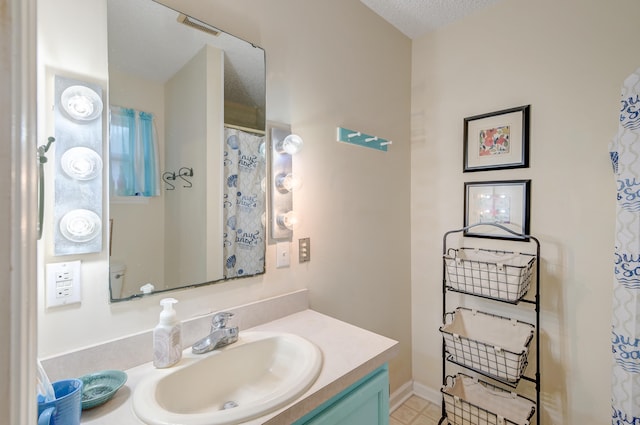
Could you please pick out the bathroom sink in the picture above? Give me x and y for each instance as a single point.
(258, 374)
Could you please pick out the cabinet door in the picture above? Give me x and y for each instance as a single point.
(365, 403)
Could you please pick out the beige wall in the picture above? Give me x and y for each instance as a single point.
(335, 64)
(567, 59)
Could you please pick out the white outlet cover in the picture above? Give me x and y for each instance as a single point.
(63, 284)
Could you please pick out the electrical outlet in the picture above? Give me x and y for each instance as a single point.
(63, 283)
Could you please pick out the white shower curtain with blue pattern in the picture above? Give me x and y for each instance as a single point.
(625, 341)
(244, 230)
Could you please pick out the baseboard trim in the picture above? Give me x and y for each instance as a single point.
(428, 393)
(410, 388)
(400, 395)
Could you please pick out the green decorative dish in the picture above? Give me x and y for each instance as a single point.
(99, 387)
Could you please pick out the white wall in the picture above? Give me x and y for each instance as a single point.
(335, 64)
(188, 118)
(61, 51)
(567, 59)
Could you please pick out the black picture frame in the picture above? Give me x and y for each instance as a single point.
(504, 202)
(497, 140)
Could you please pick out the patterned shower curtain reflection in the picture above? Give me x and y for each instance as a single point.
(243, 198)
(625, 338)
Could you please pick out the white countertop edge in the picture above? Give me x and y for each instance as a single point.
(349, 354)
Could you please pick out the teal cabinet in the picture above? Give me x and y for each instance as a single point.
(364, 403)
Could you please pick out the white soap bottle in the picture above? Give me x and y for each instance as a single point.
(167, 336)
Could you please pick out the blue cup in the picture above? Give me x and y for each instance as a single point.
(67, 406)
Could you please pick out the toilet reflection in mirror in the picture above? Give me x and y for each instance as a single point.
(197, 87)
(117, 273)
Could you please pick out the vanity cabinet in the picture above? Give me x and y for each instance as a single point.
(364, 403)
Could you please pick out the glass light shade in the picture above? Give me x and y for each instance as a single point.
(291, 144)
(288, 220)
(288, 182)
(81, 163)
(81, 103)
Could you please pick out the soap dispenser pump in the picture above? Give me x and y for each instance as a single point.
(167, 336)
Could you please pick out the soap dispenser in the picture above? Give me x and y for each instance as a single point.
(167, 336)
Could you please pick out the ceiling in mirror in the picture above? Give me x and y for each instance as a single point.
(205, 90)
(145, 40)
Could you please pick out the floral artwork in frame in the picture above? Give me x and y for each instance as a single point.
(497, 140)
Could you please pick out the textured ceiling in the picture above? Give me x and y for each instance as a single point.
(415, 18)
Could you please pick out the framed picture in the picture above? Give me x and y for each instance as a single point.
(497, 140)
(505, 203)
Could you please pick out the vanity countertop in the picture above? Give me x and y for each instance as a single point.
(349, 354)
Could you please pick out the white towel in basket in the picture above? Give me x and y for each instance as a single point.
(495, 274)
(500, 403)
(495, 331)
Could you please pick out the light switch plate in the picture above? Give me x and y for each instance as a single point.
(63, 283)
(282, 254)
(304, 250)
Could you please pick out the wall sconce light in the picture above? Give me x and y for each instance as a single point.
(77, 200)
(283, 182)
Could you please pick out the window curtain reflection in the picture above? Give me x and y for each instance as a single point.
(133, 153)
(244, 234)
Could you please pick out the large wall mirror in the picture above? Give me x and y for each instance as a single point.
(187, 165)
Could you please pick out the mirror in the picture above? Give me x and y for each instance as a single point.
(205, 90)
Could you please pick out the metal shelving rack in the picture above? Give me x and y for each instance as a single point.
(521, 300)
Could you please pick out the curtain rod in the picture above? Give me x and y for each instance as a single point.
(247, 129)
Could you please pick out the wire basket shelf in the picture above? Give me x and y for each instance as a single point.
(492, 345)
(501, 275)
(468, 401)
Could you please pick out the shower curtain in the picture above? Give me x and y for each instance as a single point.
(625, 341)
(243, 203)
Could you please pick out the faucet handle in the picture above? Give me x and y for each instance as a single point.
(219, 321)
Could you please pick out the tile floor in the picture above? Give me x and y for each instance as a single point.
(416, 411)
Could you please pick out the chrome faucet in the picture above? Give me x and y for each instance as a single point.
(219, 336)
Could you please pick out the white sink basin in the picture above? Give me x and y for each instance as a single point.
(260, 373)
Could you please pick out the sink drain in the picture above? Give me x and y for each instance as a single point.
(229, 405)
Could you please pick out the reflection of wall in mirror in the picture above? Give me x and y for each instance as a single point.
(142, 219)
(175, 234)
(194, 128)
